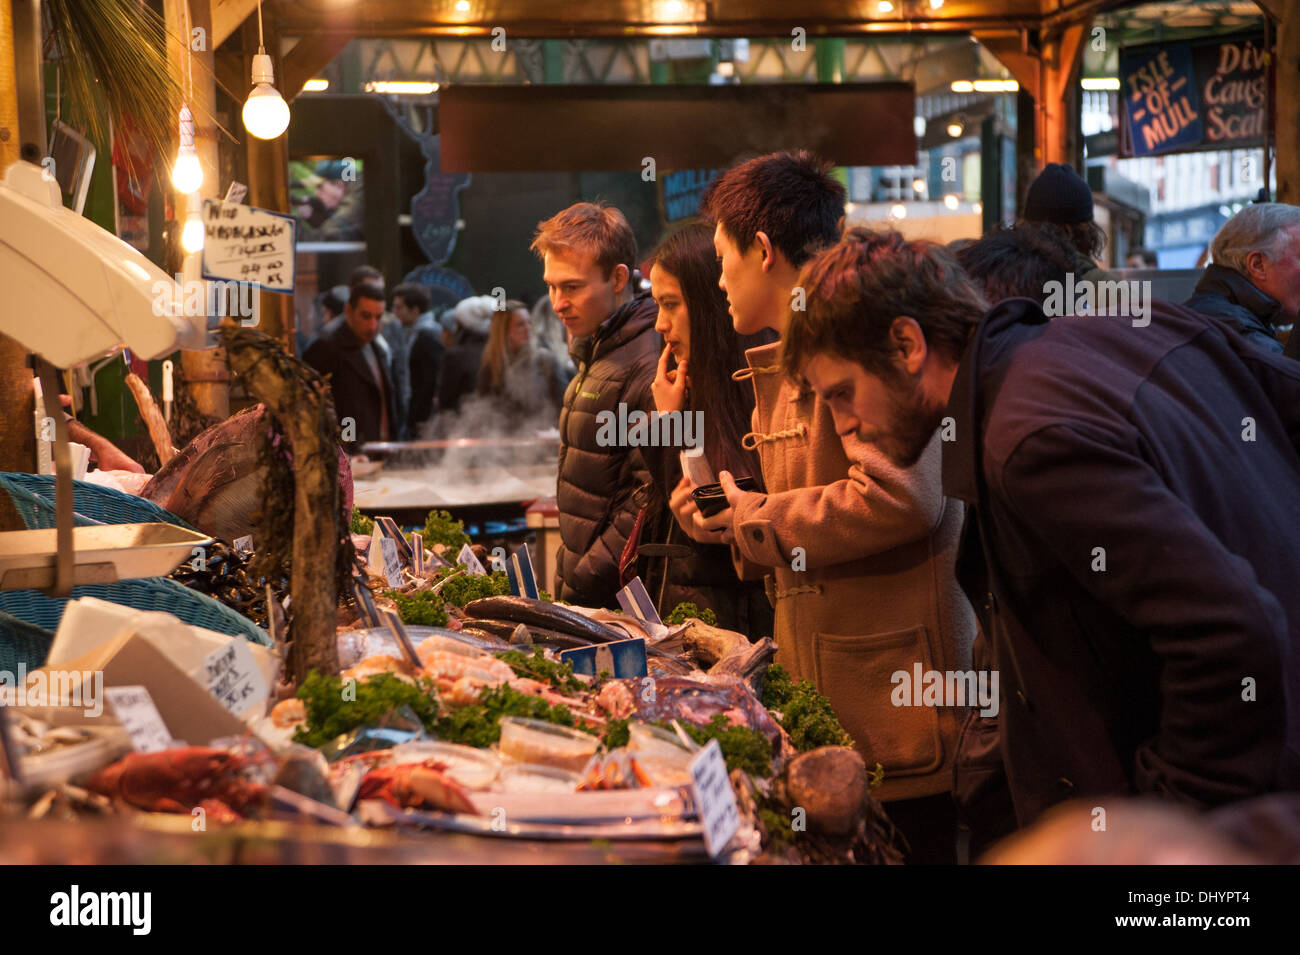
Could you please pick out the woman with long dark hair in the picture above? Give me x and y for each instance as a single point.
(702, 351)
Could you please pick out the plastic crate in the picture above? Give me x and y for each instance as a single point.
(33, 497)
(145, 593)
(22, 643)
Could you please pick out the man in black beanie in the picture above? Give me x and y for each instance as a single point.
(1059, 200)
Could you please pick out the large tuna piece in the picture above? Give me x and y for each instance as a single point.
(215, 481)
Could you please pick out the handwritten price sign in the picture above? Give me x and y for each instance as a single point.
(244, 244)
(233, 677)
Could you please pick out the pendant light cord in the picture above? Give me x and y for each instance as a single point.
(261, 45)
(189, 55)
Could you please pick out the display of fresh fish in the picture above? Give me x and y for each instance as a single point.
(215, 481)
(539, 613)
(488, 641)
(711, 644)
(698, 701)
(749, 663)
(556, 640)
(664, 664)
(498, 628)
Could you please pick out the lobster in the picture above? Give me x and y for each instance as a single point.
(416, 785)
(177, 780)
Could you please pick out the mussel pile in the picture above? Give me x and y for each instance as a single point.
(224, 576)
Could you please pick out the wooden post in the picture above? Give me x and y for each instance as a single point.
(17, 428)
(268, 177)
(300, 401)
(1058, 136)
(206, 373)
(1288, 86)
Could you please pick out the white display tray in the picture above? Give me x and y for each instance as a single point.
(104, 553)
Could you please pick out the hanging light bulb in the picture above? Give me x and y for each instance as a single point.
(192, 233)
(266, 114)
(187, 172)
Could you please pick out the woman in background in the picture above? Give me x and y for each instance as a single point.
(702, 350)
(525, 379)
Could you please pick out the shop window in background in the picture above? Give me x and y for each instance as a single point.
(328, 200)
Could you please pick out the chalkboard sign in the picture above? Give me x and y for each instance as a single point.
(1207, 94)
(245, 244)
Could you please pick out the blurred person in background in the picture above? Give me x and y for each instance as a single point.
(523, 378)
(463, 358)
(701, 352)
(411, 308)
(549, 332)
(1140, 258)
(1253, 284)
(359, 376)
(325, 307)
(425, 366)
(1059, 200)
(1017, 261)
(361, 275)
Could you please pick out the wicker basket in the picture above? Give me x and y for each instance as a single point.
(146, 593)
(22, 643)
(33, 497)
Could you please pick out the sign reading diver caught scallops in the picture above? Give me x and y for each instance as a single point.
(244, 244)
(1207, 94)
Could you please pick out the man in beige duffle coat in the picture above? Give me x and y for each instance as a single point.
(858, 553)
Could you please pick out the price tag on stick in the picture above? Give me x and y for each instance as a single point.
(519, 570)
(233, 677)
(394, 623)
(714, 798)
(417, 554)
(392, 562)
(366, 603)
(472, 563)
(636, 601)
(135, 710)
(390, 528)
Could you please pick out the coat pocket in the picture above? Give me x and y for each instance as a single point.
(855, 673)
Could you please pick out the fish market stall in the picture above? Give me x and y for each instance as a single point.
(465, 723)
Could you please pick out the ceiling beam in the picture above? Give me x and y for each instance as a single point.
(308, 57)
(227, 15)
(1013, 52)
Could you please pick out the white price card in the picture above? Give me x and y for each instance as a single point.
(375, 555)
(233, 677)
(392, 562)
(245, 244)
(244, 544)
(472, 564)
(714, 798)
(135, 710)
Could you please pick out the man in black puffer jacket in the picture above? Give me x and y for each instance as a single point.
(589, 256)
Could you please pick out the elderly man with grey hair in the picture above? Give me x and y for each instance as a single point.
(1254, 283)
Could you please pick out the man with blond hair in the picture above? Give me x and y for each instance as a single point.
(1253, 284)
(589, 258)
